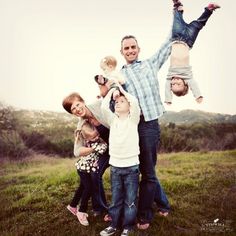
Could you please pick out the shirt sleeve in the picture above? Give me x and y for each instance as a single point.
(134, 107)
(194, 87)
(168, 93)
(79, 142)
(159, 58)
(108, 115)
(77, 146)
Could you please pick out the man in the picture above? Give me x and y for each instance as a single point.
(141, 81)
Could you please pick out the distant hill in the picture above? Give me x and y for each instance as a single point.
(25, 131)
(182, 117)
(193, 116)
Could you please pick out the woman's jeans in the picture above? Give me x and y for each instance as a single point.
(98, 194)
(124, 186)
(188, 33)
(149, 187)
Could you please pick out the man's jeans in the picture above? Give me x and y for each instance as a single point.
(124, 186)
(149, 188)
(188, 33)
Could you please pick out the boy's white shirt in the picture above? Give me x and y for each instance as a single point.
(123, 138)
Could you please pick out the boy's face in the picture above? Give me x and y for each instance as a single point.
(121, 105)
(78, 108)
(177, 84)
(130, 50)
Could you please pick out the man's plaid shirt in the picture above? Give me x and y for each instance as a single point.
(142, 82)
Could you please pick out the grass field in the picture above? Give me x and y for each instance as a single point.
(201, 188)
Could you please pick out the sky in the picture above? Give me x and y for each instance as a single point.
(50, 48)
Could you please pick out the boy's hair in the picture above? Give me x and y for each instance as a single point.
(67, 101)
(183, 92)
(109, 60)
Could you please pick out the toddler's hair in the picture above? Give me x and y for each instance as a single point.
(108, 61)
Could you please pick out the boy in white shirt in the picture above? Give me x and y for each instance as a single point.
(124, 160)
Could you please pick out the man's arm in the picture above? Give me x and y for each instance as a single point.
(162, 54)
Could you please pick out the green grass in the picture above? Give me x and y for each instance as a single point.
(201, 187)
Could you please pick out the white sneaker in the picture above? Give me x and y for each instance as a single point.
(82, 217)
(125, 232)
(108, 231)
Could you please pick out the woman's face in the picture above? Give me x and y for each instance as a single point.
(78, 108)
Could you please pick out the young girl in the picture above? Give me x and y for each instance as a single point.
(86, 165)
(179, 77)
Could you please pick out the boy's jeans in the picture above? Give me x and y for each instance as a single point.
(188, 33)
(124, 186)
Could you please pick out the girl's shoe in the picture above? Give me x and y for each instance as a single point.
(212, 6)
(82, 217)
(73, 210)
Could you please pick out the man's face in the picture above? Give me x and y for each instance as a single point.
(130, 50)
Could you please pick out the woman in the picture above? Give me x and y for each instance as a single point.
(75, 104)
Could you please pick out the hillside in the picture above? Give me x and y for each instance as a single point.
(182, 117)
(193, 116)
(23, 132)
